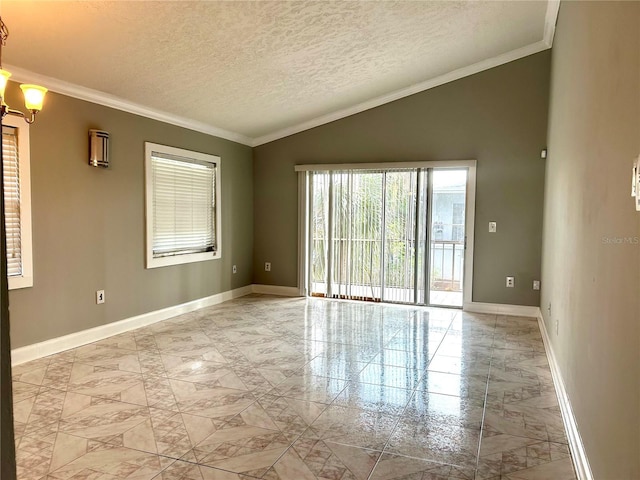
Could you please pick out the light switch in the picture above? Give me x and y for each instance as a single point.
(493, 227)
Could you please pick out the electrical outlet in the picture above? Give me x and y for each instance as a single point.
(536, 284)
(493, 227)
(267, 266)
(511, 281)
(234, 269)
(99, 297)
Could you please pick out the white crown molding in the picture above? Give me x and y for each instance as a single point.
(101, 98)
(405, 92)
(77, 339)
(550, 20)
(578, 452)
(501, 309)
(94, 96)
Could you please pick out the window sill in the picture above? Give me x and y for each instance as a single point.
(182, 259)
(16, 283)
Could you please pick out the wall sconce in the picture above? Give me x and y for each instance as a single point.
(98, 148)
(33, 94)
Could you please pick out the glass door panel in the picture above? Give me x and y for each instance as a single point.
(400, 236)
(318, 232)
(447, 237)
(357, 201)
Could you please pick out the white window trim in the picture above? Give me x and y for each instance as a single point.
(153, 262)
(26, 243)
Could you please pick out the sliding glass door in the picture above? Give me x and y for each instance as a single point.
(393, 235)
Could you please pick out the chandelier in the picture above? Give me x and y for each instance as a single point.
(33, 94)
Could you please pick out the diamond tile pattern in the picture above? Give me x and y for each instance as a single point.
(297, 389)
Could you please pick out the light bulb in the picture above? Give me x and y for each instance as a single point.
(4, 78)
(33, 96)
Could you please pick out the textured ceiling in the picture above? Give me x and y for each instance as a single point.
(256, 68)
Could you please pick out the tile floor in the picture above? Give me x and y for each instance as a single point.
(297, 389)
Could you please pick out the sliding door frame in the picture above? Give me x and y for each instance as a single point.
(428, 237)
(304, 197)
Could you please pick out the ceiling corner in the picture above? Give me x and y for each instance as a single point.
(550, 20)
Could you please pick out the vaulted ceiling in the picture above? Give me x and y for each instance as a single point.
(254, 71)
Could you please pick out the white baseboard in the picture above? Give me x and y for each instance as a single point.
(501, 309)
(276, 290)
(77, 339)
(578, 453)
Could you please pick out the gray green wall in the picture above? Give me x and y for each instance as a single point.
(591, 281)
(88, 223)
(498, 117)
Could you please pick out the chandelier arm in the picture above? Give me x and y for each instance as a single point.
(18, 113)
(4, 33)
(10, 111)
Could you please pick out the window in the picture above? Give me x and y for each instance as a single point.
(17, 199)
(458, 221)
(182, 206)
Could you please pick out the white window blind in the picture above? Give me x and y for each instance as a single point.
(11, 179)
(184, 205)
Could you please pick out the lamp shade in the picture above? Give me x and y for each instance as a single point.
(33, 96)
(4, 78)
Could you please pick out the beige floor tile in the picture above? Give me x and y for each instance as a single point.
(45, 410)
(109, 357)
(332, 367)
(211, 402)
(100, 461)
(310, 459)
(440, 443)
(310, 388)
(242, 448)
(427, 408)
(350, 426)
(459, 366)
(391, 375)
(556, 470)
(124, 341)
(204, 372)
(378, 398)
(296, 389)
(23, 391)
(180, 470)
(113, 384)
(392, 467)
(289, 415)
(519, 457)
(166, 433)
